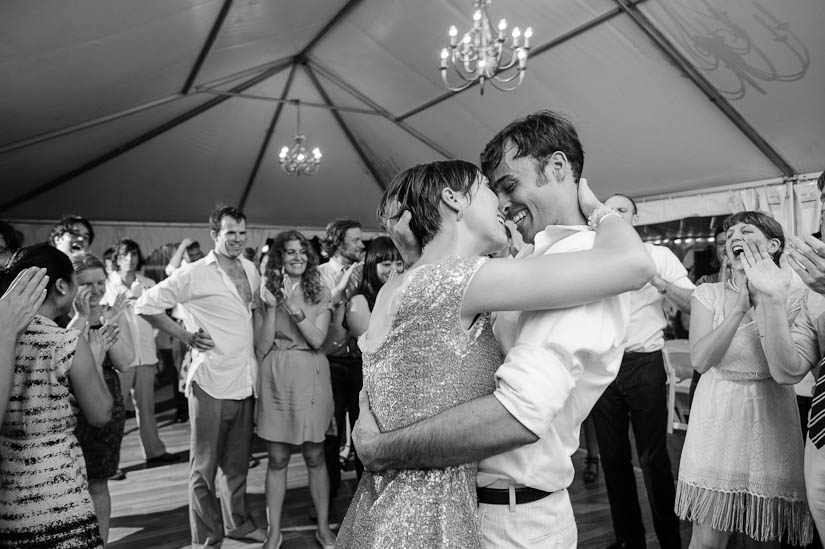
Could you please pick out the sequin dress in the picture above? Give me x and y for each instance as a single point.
(44, 496)
(741, 466)
(428, 363)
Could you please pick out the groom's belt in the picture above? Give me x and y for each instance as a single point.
(501, 496)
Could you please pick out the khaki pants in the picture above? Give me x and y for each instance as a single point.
(221, 437)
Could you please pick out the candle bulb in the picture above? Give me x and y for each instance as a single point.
(527, 34)
(453, 35)
(516, 35)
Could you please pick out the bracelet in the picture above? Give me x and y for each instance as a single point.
(298, 317)
(598, 215)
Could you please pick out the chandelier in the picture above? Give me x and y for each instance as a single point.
(297, 160)
(481, 55)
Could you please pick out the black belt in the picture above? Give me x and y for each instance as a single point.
(501, 496)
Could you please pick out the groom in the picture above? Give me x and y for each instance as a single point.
(557, 362)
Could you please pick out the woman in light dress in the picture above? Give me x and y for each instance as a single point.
(741, 465)
(294, 404)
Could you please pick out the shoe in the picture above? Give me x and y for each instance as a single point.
(591, 470)
(119, 475)
(258, 534)
(165, 457)
(130, 414)
(321, 541)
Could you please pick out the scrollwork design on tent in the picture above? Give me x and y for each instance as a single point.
(738, 59)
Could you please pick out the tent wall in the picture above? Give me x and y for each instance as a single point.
(150, 236)
(793, 202)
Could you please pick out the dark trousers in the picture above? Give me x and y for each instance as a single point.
(347, 380)
(637, 398)
(804, 405)
(167, 358)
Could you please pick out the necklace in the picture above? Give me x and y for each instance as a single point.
(732, 285)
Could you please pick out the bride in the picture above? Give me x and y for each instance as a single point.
(430, 346)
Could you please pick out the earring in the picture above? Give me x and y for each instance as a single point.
(459, 215)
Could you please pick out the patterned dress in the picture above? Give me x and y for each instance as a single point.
(101, 445)
(741, 466)
(44, 497)
(428, 363)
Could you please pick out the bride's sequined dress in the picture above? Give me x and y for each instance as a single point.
(427, 363)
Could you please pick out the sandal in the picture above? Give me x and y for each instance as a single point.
(591, 469)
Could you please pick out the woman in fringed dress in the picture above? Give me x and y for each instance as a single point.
(741, 466)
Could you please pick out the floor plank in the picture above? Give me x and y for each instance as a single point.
(149, 508)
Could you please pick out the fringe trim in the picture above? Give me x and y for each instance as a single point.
(758, 517)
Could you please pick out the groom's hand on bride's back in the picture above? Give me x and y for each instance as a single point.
(365, 435)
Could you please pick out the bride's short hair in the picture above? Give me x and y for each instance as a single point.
(418, 189)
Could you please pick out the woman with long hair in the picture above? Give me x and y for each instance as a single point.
(741, 465)
(101, 445)
(430, 345)
(294, 404)
(45, 499)
(382, 262)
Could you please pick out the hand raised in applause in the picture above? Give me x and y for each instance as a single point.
(808, 260)
(22, 299)
(102, 339)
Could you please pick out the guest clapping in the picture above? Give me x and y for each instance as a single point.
(741, 467)
(45, 500)
(113, 351)
(294, 404)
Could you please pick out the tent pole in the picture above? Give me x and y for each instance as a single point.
(89, 123)
(660, 40)
(357, 146)
(790, 182)
(387, 114)
(207, 46)
(342, 13)
(267, 138)
(139, 140)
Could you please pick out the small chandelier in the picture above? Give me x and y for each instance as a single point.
(479, 56)
(297, 160)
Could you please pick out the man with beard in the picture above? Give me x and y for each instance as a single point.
(220, 293)
(346, 250)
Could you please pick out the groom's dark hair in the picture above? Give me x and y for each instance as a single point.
(538, 136)
(418, 189)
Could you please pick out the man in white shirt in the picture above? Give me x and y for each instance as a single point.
(220, 293)
(638, 397)
(345, 248)
(557, 362)
(139, 382)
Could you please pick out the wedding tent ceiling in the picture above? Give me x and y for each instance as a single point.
(144, 111)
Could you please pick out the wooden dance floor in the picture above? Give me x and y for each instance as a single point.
(149, 508)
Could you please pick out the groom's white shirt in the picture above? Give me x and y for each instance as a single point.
(557, 364)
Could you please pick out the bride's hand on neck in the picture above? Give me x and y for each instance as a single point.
(588, 201)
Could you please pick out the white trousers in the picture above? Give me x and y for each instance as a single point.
(548, 522)
(815, 483)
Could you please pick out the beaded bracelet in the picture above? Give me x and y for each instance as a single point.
(598, 215)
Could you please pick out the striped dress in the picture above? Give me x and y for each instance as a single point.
(44, 496)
